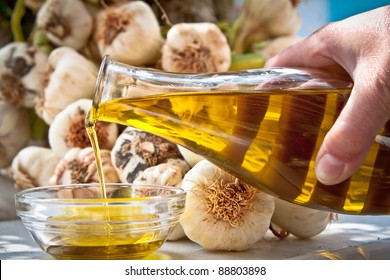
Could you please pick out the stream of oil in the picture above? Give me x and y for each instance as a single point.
(109, 239)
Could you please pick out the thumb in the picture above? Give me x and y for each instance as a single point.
(347, 144)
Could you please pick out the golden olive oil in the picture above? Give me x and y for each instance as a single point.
(93, 232)
(268, 139)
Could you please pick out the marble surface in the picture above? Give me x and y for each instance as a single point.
(348, 237)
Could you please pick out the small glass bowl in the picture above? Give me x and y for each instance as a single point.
(74, 222)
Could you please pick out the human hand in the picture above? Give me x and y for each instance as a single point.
(359, 48)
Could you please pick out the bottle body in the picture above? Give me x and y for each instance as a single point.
(265, 129)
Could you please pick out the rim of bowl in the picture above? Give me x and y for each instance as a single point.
(24, 195)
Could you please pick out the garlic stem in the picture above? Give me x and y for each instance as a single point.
(246, 61)
(16, 19)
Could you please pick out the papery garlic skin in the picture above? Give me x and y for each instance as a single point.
(68, 130)
(190, 157)
(168, 173)
(69, 77)
(33, 167)
(277, 45)
(195, 48)
(78, 166)
(65, 23)
(298, 220)
(213, 232)
(21, 68)
(14, 132)
(129, 33)
(136, 150)
(263, 20)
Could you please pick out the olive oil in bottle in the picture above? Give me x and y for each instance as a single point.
(268, 139)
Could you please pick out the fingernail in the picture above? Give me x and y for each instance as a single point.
(329, 169)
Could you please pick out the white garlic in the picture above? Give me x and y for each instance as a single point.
(69, 76)
(33, 167)
(79, 166)
(129, 33)
(68, 130)
(223, 213)
(168, 173)
(136, 150)
(195, 48)
(298, 220)
(21, 67)
(14, 132)
(65, 23)
(190, 157)
(263, 20)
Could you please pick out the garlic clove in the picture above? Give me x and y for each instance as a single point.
(65, 23)
(223, 213)
(21, 68)
(298, 220)
(78, 166)
(168, 173)
(195, 48)
(14, 132)
(68, 130)
(32, 167)
(129, 33)
(69, 77)
(136, 150)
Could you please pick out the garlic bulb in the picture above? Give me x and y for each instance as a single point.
(33, 167)
(277, 45)
(135, 151)
(129, 33)
(79, 166)
(262, 20)
(168, 173)
(195, 48)
(298, 220)
(223, 213)
(68, 130)
(14, 132)
(69, 77)
(21, 67)
(65, 23)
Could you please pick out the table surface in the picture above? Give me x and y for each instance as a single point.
(348, 237)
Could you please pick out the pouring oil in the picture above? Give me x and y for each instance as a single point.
(268, 139)
(109, 239)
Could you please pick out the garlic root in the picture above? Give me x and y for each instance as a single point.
(223, 213)
(195, 48)
(135, 151)
(65, 23)
(129, 33)
(21, 68)
(79, 166)
(68, 131)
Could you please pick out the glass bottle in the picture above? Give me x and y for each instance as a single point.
(264, 126)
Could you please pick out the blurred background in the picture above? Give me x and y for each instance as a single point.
(316, 13)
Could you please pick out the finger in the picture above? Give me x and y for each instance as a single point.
(347, 144)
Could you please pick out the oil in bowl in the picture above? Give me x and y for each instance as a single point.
(73, 222)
